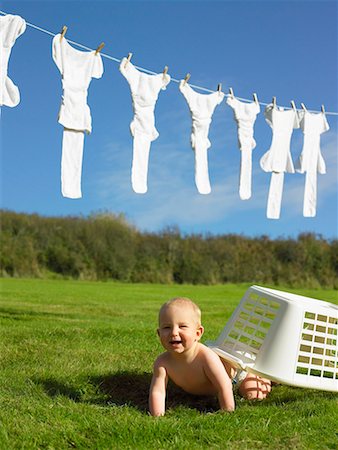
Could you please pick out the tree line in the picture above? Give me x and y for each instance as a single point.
(104, 246)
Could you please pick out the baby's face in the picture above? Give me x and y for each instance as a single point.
(179, 329)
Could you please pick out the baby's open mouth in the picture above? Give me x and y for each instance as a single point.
(175, 341)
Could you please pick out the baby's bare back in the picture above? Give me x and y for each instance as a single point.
(191, 375)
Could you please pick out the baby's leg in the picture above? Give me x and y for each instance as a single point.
(254, 387)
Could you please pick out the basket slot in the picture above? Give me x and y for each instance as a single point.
(317, 361)
(310, 315)
(316, 372)
(321, 318)
(333, 331)
(328, 374)
(330, 341)
(318, 350)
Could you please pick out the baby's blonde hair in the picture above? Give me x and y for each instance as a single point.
(183, 301)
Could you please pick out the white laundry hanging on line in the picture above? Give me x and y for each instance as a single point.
(11, 27)
(144, 91)
(245, 115)
(278, 158)
(311, 160)
(201, 108)
(77, 69)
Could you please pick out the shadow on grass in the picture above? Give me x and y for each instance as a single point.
(130, 388)
(124, 389)
(54, 388)
(127, 388)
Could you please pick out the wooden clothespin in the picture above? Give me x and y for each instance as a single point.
(274, 102)
(128, 59)
(165, 71)
(293, 105)
(63, 32)
(231, 92)
(187, 78)
(219, 87)
(99, 48)
(255, 98)
(303, 106)
(323, 109)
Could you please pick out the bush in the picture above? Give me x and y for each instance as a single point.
(104, 246)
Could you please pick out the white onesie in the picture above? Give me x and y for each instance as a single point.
(278, 159)
(144, 92)
(245, 115)
(311, 160)
(77, 69)
(201, 108)
(11, 27)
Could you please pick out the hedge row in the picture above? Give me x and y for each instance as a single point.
(105, 246)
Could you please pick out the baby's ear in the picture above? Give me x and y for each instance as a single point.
(199, 332)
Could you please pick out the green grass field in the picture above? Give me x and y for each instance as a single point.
(76, 360)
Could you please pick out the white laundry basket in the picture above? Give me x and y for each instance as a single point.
(284, 337)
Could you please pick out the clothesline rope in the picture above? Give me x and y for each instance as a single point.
(112, 58)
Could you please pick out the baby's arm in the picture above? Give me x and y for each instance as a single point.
(157, 391)
(218, 376)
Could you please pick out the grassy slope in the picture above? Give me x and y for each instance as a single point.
(76, 361)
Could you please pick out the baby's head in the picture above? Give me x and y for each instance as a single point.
(180, 326)
(182, 304)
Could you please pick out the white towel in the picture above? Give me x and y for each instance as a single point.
(245, 115)
(11, 27)
(77, 69)
(278, 158)
(201, 107)
(144, 92)
(311, 160)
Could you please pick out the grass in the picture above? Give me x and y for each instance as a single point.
(76, 361)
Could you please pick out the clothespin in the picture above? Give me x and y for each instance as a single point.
(165, 71)
(274, 102)
(231, 92)
(303, 106)
(323, 109)
(187, 77)
(219, 87)
(99, 48)
(293, 105)
(63, 32)
(128, 59)
(255, 98)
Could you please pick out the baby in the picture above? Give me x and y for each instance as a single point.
(193, 366)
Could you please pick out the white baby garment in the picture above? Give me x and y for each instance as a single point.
(144, 92)
(245, 115)
(311, 160)
(201, 108)
(77, 69)
(11, 27)
(278, 159)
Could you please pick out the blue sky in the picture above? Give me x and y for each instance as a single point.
(276, 48)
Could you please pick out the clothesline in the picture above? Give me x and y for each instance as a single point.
(112, 58)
